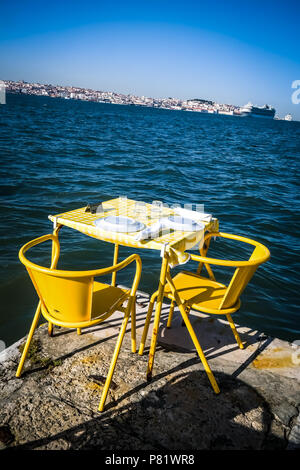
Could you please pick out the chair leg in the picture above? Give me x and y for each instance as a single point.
(29, 338)
(193, 336)
(170, 317)
(115, 356)
(199, 349)
(187, 309)
(147, 322)
(234, 330)
(133, 327)
(50, 329)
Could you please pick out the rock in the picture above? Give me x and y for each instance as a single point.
(6, 436)
(294, 436)
(285, 412)
(55, 403)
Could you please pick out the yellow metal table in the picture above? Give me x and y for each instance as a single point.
(172, 245)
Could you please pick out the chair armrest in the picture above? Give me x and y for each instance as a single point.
(221, 262)
(123, 264)
(74, 274)
(118, 266)
(231, 236)
(264, 252)
(37, 241)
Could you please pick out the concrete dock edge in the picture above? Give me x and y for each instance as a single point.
(53, 406)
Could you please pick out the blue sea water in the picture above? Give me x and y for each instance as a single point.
(58, 155)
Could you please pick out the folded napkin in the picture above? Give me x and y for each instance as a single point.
(194, 215)
(150, 232)
(165, 223)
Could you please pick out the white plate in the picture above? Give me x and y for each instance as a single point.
(120, 223)
(176, 222)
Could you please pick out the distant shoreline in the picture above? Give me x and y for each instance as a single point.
(86, 94)
(17, 93)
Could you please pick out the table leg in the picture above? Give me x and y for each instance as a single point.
(203, 252)
(133, 326)
(147, 322)
(114, 274)
(160, 295)
(54, 261)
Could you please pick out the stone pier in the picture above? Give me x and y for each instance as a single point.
(54, 404)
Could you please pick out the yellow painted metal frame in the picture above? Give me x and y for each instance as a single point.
(83, 280)
(243, 273)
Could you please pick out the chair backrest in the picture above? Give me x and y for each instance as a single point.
(66, 299)
(66, 295)
(242, 275)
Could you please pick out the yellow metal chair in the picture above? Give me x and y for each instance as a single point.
(192, 291)
(73, 299)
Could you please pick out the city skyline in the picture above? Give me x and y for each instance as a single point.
(226, 52)
(101, 96)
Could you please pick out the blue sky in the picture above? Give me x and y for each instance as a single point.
(228, 51)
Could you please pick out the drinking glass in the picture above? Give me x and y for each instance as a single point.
(122, 199)
(140, 208)
(123, 205)
(156, 208)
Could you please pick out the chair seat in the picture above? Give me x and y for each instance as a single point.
(199, 292)
(107, 298)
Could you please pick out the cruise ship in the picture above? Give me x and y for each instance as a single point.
(257, 111)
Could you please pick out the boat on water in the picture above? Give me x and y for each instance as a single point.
(265, 111)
